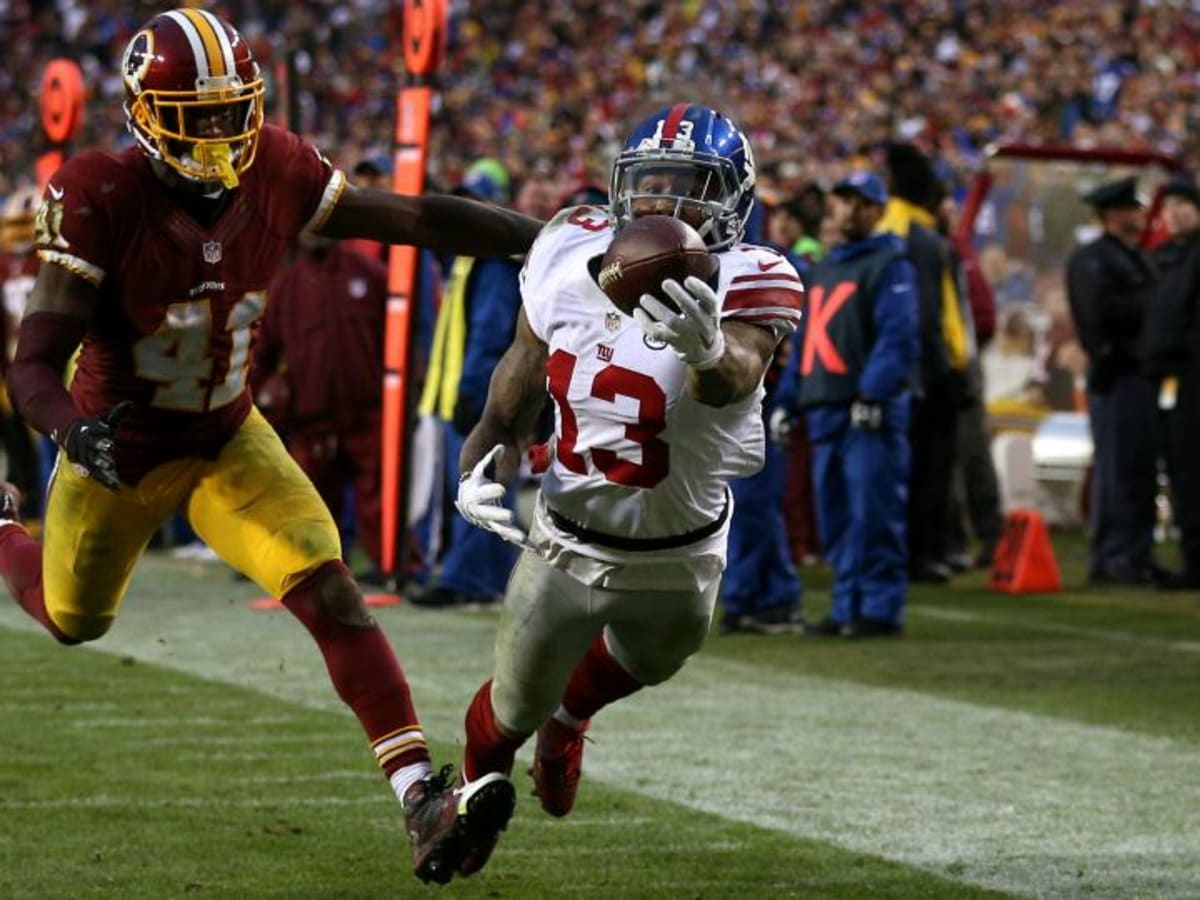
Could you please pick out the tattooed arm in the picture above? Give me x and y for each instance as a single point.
(515, 399)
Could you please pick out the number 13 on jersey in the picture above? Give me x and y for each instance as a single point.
(607, 384)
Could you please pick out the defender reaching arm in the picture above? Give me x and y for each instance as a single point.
(447, 224)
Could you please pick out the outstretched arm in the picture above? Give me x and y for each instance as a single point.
(447, 224)
(515, 399)
(749, 350)
(725, 360)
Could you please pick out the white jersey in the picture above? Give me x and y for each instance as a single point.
(635, 455)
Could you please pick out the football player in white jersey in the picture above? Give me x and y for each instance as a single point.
(655, 413)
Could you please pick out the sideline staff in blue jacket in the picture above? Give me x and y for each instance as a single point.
(857, 371)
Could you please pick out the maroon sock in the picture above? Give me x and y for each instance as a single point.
(21, 566)
(365, 673)
(597, 681)
(489, 747)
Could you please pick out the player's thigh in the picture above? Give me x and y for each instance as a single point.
(92, 539)
(652, 634)
(545, 628)
(260, 513)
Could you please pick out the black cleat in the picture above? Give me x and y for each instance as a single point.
(870, 627)
(452, 827)
(826, 628)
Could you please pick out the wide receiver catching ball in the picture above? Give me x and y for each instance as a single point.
(648, 251)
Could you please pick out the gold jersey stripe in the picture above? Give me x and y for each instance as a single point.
(80, 267)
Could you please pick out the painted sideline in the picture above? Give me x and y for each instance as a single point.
(978, 794)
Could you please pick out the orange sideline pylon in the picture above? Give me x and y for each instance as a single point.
(1024, 562)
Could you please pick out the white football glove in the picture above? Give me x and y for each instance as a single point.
(694, 333)
(479, 501)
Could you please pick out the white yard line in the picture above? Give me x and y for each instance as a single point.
(1078, 631)
(1024, 803)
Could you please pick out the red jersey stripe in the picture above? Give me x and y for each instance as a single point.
(762, 298)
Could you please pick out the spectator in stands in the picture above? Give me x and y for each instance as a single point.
(323, 332)
(858, 365)
(1110, 283)
(475, 325)
(1172, 361)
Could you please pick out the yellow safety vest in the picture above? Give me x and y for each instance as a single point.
(449, 345)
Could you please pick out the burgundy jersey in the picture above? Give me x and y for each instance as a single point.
(179, 299)
(326, 320)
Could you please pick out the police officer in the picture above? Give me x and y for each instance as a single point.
(1171, 345)
(857, 367)
(1110, 282)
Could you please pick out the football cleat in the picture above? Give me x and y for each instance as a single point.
(557, 766)
(452, 828)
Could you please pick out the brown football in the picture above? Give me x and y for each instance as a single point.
(646, 252)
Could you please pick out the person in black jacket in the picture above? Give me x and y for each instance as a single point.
(1171, 358)
(1109, 285)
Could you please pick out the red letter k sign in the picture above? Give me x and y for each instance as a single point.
(821, 310)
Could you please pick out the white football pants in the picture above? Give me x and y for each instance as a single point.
(550, 619)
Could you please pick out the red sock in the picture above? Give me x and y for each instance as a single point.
(365, 673)
(21, 566)
(489, 747)
(597, 681)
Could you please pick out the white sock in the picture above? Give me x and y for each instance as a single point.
(404, 778)
(565, 718)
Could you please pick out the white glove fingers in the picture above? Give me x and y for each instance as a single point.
(691, 308)
(657, 310)
(653, 329)
(705, 296)
(493, 455)
(489, 515)
(675, 291)
(486, 492)
(511, 533)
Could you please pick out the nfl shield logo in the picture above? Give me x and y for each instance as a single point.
(612, 321)
(212, 251)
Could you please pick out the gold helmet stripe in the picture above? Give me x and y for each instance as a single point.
(208, 28)
(226, 46)
(192, 33)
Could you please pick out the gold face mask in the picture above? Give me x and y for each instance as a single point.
(209, 135)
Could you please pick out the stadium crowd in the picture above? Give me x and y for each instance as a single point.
(551, 85)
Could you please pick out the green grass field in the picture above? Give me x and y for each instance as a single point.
(1006, 746)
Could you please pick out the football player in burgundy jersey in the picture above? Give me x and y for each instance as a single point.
(655, 413)
(157, 259)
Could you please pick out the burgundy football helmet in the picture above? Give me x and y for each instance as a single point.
(194, 95)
